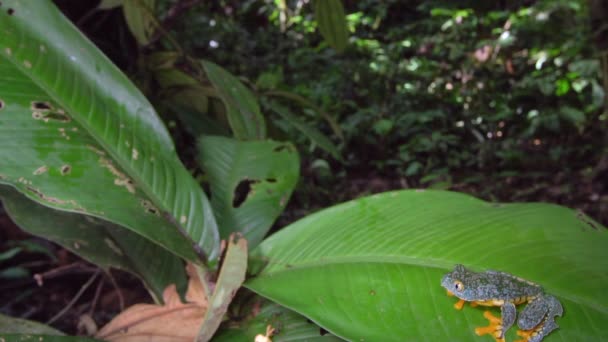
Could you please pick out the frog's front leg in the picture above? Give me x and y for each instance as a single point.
(498, 327)
(537, 320)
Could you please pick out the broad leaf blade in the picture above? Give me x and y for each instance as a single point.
(307, 103)
(311, 132)
(371, 268)
(12, 325)
(139, 15)
(77, 135)
(269, 168)
(332, 23)
(100, 242)
(242, 108)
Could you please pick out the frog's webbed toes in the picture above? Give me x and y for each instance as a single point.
(495, 327)
(459, 304)
(525, 335)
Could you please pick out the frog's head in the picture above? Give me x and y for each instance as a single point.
(457, 282)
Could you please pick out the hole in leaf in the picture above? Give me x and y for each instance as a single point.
(41, 105)
(323, 332)
(65, 169)
(149, 207)
(281, 148)
(271, 180)
(58, 116)
(242, 191)
(1, 104)
(10, 11)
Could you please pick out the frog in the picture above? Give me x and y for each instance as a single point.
(495, 288)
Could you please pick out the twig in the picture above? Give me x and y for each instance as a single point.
(96, 297)
(59, 271)
(76, 297)
(121, 299)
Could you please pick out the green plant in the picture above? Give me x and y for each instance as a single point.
(90, 165)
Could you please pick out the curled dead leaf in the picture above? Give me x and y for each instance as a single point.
(172, 322)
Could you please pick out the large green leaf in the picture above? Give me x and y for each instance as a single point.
(332, 22)
(264, 172)
(12, 325)
(76, 135)
(98, 241)
(370, 269)
(307, 103)
(139, 15)
(242, 108)
(288, 325)
(311, 132)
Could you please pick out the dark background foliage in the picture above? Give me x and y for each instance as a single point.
(496, 99)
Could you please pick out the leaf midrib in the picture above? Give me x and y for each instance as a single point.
(123, 163)
(409, 261)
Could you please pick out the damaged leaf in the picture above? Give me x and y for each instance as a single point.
(89, 142)
(175, 321)
(251, 182)
(242, 108)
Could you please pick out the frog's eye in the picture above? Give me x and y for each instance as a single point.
(458, 286)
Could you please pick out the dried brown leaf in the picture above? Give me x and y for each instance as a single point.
(172, 322)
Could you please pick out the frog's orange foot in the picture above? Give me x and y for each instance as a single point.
(494, 328)
(459, 304)
(526, 335)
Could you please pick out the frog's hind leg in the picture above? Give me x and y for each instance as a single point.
(537, 320)
(533, 313)
(537, 335)
(499, 326)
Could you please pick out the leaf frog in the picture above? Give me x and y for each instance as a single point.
(493, 288)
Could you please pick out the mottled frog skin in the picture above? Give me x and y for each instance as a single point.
(493, 288)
